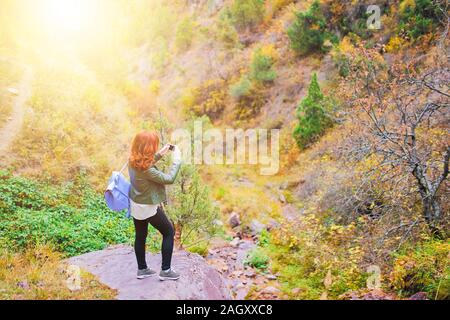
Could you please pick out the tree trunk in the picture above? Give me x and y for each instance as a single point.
(178, 231)
(431, 209)
(432, 213)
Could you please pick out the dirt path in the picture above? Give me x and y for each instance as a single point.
(12, 127)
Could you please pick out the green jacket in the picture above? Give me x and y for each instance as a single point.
(148, 187)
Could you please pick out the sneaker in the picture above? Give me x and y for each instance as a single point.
(168, 274)
(145, 273)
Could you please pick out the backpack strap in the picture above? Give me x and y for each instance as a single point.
(124, 166)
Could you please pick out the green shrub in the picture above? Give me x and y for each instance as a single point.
(72, 218)
(423, 268)
(246, 13)
(342, 63)
(261, 68)
(264, 238)
(249, 90)
(184, 34)
(419, 17)
(225, 31)
(200, 248)
(242, 88)
(258, 259)
(312, 115)
(308, 32)
(160, 55)
(192, 209)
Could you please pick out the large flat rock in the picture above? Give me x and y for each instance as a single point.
(116, 267)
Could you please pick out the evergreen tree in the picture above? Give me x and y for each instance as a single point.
(312, 115)
(309, 31)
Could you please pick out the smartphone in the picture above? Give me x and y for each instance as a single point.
(171, 147)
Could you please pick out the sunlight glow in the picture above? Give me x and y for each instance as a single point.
(68, 16)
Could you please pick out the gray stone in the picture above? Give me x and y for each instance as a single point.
(284, 185)
(256, 227)
(250, 274)
(235, 242)
(296, 291)
(116, 268)
(273, 224)
(234, 220)
(271, 290)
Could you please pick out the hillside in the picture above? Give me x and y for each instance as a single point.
(357, 206)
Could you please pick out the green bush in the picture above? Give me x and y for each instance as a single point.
(423, 268)
(184, 34)
(192, 209)
(225, 31)
(246, 13)
(258, 259)
(312, 115)
(342, 63)
(242, 88)
(73, 218)
(308, 32)
(419, 17)
(261, 68)
(200, 248)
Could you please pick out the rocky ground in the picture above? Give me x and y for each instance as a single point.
(243, 281)
(229, 258)
(116, 268)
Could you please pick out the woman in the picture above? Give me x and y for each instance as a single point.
(147, 194)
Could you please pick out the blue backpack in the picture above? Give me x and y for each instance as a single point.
(117, 192)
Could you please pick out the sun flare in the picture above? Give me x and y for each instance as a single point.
(68, 15)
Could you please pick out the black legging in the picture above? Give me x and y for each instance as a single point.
(163, 225)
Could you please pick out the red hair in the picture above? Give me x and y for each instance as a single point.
(145, 145)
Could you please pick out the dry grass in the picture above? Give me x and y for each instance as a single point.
(242, 189)
(39, 274)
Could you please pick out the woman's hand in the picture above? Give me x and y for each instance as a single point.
(164, 150)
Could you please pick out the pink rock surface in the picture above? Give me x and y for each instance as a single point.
(116, 268)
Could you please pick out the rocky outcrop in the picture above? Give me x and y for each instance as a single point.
(244, 281)
(116, 268)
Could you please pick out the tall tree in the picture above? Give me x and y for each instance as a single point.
(312, 114)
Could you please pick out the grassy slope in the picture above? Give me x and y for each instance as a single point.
(40, 274)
